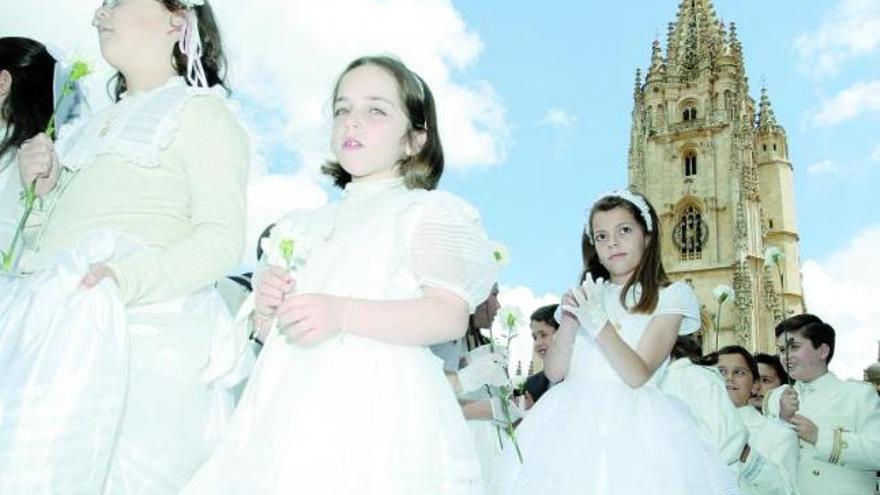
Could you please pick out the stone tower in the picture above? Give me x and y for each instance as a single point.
(718, 172)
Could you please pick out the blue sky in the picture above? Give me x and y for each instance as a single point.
(581, 57)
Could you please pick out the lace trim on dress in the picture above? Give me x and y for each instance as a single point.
(139, 127)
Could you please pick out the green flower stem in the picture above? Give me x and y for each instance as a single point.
(30, 197)
(511, 432)
(782, 304)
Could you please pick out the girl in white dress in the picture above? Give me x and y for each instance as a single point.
(346, 397)
(607, 429)
(102, 343)
(26, 99)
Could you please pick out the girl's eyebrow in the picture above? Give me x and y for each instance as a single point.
(371, 98)
(618, 225)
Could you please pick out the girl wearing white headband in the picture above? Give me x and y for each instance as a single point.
(607, 428)
(142, 210)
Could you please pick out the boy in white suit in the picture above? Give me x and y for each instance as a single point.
(770, 460)
(837, 421)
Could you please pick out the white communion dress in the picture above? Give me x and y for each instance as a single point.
(353, 415)
(100, 389)
(593, 433)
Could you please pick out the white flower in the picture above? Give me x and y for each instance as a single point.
(510, 318)
(500, 254)
(285, 247)
(723, 293)
(773, 256)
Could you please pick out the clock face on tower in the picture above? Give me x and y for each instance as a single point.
(690, 234)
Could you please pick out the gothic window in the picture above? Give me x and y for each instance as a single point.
(765, 147)
(689, 113)
(690, 164)
(774, 146)
(690, 234)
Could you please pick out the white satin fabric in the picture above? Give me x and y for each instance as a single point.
(98, 398)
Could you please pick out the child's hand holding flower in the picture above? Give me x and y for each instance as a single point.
(38, 164)
(272, 284)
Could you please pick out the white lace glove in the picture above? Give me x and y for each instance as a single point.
(498, 417)
(589, 308)
(487, 369)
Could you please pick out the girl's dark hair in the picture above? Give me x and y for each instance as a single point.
(773, 362)
(650, 273)
(29, 104)
(750, 360)
(686, 346)
(422, 170)
(536, 385)
(545, 314)
(213, 59)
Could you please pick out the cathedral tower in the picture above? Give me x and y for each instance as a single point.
(719, 175)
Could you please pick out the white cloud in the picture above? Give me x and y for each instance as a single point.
(843, 290)
(285, 54)
(860, 98)
(824, 167)
(851, 29)
(523, 298)
(558, 117)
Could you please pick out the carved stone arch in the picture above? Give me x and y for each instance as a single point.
(689, 200)
(688, 109)
(690, 232)
(689, 154)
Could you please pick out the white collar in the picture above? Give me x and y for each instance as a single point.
(172, 82)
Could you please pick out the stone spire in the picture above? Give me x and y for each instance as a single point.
(693, 41)
(658, 68)
(766, 117)
(637, 88)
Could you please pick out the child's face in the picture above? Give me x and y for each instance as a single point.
(620, 242)
(370, 126)
(805, 362)
(137, 35)
(737, 378)
(769, 379)
(542, 334)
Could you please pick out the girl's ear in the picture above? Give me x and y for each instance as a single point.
(5, 82)
(176, 22)
(416, 141)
